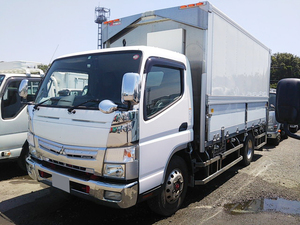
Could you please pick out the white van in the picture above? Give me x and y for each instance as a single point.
(13, 115)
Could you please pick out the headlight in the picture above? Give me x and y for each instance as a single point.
(121, 163)
(112, 170)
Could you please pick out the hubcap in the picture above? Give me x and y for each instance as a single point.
(250, 146)
(174, 186)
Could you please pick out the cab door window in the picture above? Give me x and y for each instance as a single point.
(11, 103)
(163, 88)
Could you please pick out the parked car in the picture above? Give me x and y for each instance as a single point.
(273, 133)
(13, 115)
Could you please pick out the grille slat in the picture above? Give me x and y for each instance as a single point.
(77, 158)
(67, 150)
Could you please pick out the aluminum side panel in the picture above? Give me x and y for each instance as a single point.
(239, 65)
(257, 113)
(231, 117)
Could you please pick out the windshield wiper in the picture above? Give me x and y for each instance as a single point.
(41, 103)
(82, 103)
(49, 99)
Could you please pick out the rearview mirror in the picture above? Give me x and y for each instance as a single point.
(288, 103)
(107, 106)
(23, 89)
(130, 89)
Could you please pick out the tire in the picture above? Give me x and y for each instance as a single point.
(174, 189)
(248, 150)
(277, 140)
(23, 156)
(293, 129)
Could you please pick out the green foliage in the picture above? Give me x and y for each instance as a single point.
(273, 85)
(44, 67)
(284, 65)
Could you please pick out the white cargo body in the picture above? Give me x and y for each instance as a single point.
(177, 97)
(230, 68)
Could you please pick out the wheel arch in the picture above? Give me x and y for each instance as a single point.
(183, 152)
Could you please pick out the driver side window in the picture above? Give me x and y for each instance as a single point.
(11, 101)
(163, 88)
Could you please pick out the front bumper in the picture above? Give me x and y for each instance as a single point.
(96, 189)
(273, 134)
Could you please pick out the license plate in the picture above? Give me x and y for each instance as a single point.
(61, 182)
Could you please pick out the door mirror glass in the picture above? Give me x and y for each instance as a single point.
(130, 89)
(23, 89)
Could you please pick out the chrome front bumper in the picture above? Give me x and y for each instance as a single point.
(96, 189)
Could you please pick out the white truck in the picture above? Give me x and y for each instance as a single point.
(13, 113)
(182, 102)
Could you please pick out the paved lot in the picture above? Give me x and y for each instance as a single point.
(266, 192)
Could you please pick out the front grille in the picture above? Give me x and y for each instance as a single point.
(67, 150)
(69, 165)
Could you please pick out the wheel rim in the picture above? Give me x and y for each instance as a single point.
(174, 186)
(250, 149)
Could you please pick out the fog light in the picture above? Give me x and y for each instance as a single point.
(114, 196)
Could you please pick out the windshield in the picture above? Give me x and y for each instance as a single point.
(85, 80)
(1, 79)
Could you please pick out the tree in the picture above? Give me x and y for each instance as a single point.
(44, 67)
(284, 65)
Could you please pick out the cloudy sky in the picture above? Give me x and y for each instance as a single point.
(41, 30)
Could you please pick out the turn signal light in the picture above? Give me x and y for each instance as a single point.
(7, 154)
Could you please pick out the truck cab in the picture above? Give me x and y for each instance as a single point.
(13, 113)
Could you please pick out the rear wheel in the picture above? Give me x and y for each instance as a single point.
(248, 150)
(173, 190)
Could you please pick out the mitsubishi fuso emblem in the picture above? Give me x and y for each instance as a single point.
(62, 151)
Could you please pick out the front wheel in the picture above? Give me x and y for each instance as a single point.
(24, 154)
(248, 150)
(173, 190)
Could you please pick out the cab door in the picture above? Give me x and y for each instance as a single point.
(13, 116)
(165, 119)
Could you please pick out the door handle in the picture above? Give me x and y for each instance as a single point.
(183, 127)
